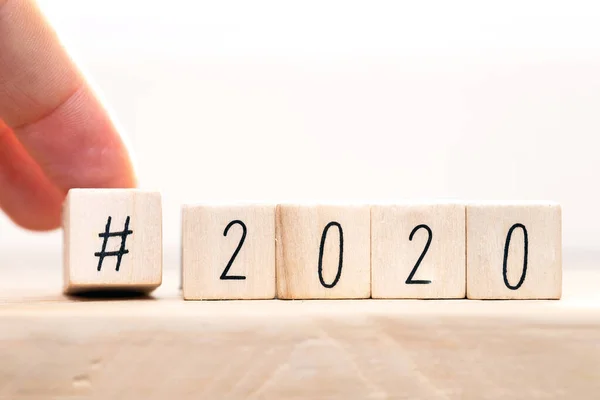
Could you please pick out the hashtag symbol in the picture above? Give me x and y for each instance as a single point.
(108, 234)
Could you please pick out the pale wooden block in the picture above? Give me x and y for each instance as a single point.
(228, 252)
(323, 252)
(418, 251)
(514, 251)
(130, 258)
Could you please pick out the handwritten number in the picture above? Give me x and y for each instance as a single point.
(506, 247)
(409, 280)
(224, 275)
(341, 256)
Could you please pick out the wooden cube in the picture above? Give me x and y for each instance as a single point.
(418, 251)
(514, 251)
(112, 240)
(228, 252)
(323, 252)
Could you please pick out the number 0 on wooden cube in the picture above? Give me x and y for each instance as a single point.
(514, 251)
(323, 252)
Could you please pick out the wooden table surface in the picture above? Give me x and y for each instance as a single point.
(160, 347)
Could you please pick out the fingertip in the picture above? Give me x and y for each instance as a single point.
(79, 146)
(28, 198)
(53, 110)
(41, 222)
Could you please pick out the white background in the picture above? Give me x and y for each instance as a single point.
(364, 101)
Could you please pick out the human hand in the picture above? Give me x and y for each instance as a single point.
(54, 133)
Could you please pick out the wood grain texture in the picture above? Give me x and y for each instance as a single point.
(53, 347)
(399, 238)
(86, 214)
(207, 251)
(536, 228)
(300, 235)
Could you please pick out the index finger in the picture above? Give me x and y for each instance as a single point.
(51, 109)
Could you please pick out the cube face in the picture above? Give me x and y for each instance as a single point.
(323, 252)
(514, 252)
(418, 251)
(228, 252)
(112, 240)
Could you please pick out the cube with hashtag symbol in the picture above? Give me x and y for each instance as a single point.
(112, 240)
